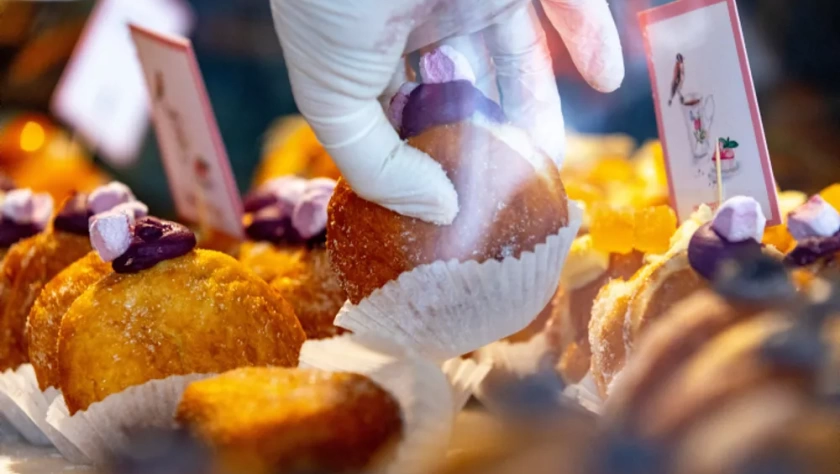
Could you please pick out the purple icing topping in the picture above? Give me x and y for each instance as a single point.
(707, 250)
(74, 216)
(272, 224)
(259, 199)
(812, 249)
(430, 105)
(154, 241)
(11, 232)
(291, 211)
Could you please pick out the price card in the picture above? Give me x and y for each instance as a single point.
(704, 97)
(101, 93)
(193, 154)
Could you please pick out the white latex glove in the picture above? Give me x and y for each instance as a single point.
(343, 55)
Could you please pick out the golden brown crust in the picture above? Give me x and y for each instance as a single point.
(729, 364)
(661, 285)
(662, 350)
(644, 298)
(200, 313)
(569, 329)
(28, 266)
(267, 260)
(291, 420)
(506, 208)
(53, 302)
(313, 290)
(606, 332)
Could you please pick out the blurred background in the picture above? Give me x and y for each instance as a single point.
(793, 48)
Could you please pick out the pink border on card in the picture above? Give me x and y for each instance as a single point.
(682, 7)
(184, 46)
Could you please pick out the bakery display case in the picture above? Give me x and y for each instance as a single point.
(643, 281)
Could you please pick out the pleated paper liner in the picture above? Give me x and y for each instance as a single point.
(419, 386)
(525, 372)
(21, 397)
(465, 376)
(445, 309)
(102, 430)
(13, 412)
(585, 394)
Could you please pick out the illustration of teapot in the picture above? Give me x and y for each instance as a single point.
(699, 113)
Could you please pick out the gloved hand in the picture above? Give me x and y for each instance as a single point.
(343, 56)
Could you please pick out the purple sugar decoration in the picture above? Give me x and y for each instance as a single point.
(153, 241)
(430, 105)
(707, 250)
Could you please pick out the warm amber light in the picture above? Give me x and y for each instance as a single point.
(32, 137)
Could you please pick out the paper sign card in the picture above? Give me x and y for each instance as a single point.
(704, 96)
(194, 157)
(101, 94)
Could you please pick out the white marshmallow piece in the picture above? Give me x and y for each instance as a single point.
(110, 234)
(395, 109)
(445, 64)
(42, 209)
(288, 189)
(105, 198)
(22, 206)
(17, 206)
(815, 218)
(740, 218)
(133, 209)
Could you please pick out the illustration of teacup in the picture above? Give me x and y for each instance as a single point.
(699, 113)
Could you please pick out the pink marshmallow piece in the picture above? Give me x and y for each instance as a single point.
(310, 214)
(105, 198)
(395, 109)
(815, 218)
(740, 218)
(24, 207)
(445, 64)
(133, 209)
(110, 234)
(288, 189)
(325, 185)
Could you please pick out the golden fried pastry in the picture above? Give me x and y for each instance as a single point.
(508, 202)
(267, 420)
(679, 334)
(728, 364)
(773, 426)
(585, 273)
(314, 292)
(200, 312)
(28, 266)
(45, 317)
(623, 308)
(267, 260)
(286, 224)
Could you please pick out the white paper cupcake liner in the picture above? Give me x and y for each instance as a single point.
(445, 309)
(12, 384)
(21, 396)
(465, 376)
(585, 393)
(418, 385)
(511, 364)
(514, 363)
(102, 430)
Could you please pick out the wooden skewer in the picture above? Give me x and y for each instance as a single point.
(720, 190)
